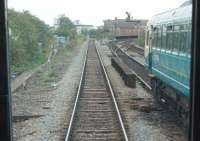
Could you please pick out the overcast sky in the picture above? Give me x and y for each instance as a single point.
(93, 11)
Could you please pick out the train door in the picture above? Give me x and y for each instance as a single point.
(148, 49)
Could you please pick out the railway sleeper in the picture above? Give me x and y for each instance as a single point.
(93, 134)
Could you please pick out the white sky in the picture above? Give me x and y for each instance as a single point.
(93, 11)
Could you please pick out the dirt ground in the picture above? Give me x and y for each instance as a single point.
(42, 108)
(144, 118)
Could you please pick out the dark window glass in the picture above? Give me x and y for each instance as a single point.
(176, 43)
(159, 45)
(147, 38)
(169, 38)
(169, 28)
(164, 36)
(189, 39)
(155, 37)
(183, 41)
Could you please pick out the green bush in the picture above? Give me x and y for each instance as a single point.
(30, 39)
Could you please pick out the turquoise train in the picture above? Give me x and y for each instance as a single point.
(167, 53)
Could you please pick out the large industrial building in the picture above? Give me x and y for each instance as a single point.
(122, 28)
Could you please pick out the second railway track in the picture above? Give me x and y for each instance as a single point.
(139, 69)
(95, 115)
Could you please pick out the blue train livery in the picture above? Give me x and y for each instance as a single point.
(168, 46)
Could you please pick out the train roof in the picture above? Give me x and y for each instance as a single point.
(179, 15)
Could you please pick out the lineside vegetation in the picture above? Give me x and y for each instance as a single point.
(31, 40)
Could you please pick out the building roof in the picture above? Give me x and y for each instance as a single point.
(83, 25)
(123, 23)
(130, 24)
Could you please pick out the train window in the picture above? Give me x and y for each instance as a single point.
(159, 38)
(155, 37)
(177, 27)
(183, 27)
(164, 36)
(153, 40)
(147, 38)
(170, 38)
(169, 28)
(176, 44)
(176, 34)
(189, 39)
(183, 41)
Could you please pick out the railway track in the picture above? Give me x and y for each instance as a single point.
(95, 115)
(130, 45)
(138, 50)
(139, 69)
(142, 74)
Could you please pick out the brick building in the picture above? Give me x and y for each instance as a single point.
(122, 28)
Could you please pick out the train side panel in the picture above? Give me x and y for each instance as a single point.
(168, 46)
(172, 68)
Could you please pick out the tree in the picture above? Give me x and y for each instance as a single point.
(29, 39)
(65, 28)
(99, 34)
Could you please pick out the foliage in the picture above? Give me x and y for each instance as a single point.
(99, 34)
(30, 39)
(65, 28)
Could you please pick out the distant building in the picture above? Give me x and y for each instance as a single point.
(109, 25)
(80, 28)
(122, 28)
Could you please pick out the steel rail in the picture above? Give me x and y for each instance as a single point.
(113, 96)
(77, 97)
(139, 77)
